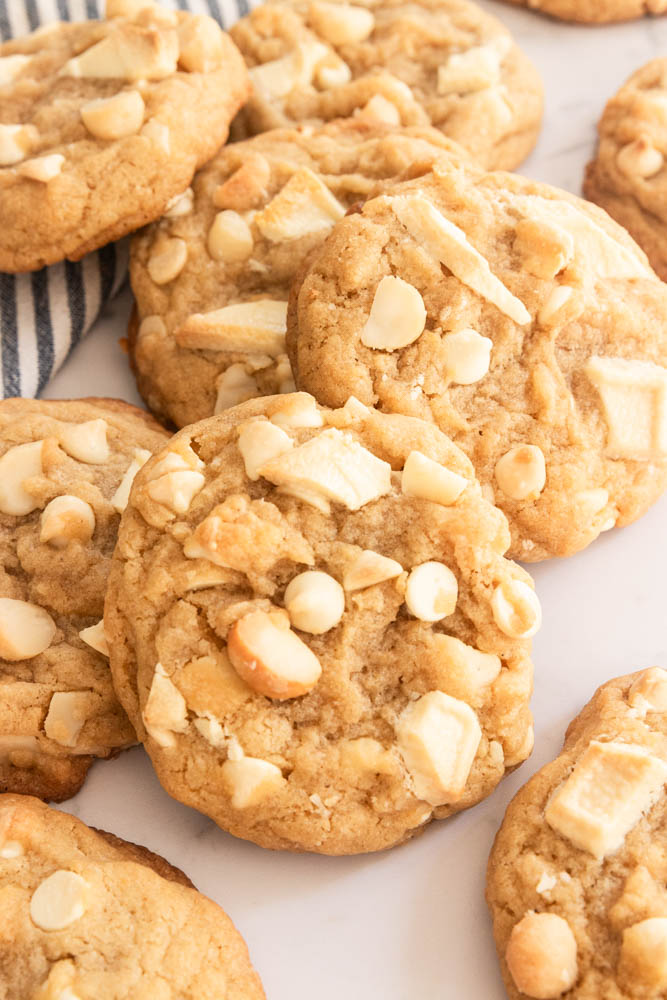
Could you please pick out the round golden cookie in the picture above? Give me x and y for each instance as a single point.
(520, 319)
(86, 915)
(445, 63)
(103, 122)
(65, 471)
(212, 277)
(313, 627)
(628, 177)
(576, 878)
(595, 11)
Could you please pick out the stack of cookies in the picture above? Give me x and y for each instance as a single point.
(391, 369)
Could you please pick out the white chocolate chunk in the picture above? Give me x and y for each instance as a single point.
(167, 260)
(68, 711)
(379, 109)
(180, 204)
(368, 569)
(465, 72)
(259, 441)
(120, 498)
(476, 670)
(127, 55)
(332, 72)
(11, 66)
(516, 609)
(438, 737)
(235, 385)
(643, 960)
(305, 205)
(298, 410)
(212, 732)
(428, 480)
(165, 712)
(42, 168)
(86, 442)
(11, 849)
(450, 246)
(95, 637)
(555, 306)
(229, 239)
(367, 754)
(26, 630)
(251, 780)
(314, 601)
(544, 247)
(116, 117)
(176, 490)
(16, 142)
(65, 519)
(256, 327)
(397, 317)
(277, 78)
(634, 400)
(22, 462)
(521, 472)
(541, 956)
(341, 23)
(158, 133)
(334, 466)
(466, 355)
(639, 158)
(201, 44)
(431, 592)
(649, 691)
(270, 658)
(58, 901)
(611, 787)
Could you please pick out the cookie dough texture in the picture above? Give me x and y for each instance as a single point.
(61, 464)
(628, 176)
(102, 123)
(595, 11)
(576, 878)
(542, 352)
(445, 63)
(319, 651)
(238, 238)
(87, 915)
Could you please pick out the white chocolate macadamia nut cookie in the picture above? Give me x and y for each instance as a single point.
(65, 474)
(103, 122)
(309, 650)
(212, 277)
(445, 63)
(70, 895)
(595, 11)
(576, 878)
(541, 349)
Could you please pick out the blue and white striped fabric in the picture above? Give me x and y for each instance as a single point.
(44, 315)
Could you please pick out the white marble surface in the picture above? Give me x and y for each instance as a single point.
(411, 924)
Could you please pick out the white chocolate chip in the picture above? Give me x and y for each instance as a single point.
(271, 659)
(11, 66)
(304, 205)
(158, 133)
(332, 72)
(368, 569)
(465, 72)
(259, 441)
(649, 691)
(275, 79)
(379, 109)
(541, 956)
(341, 23)
(26, 630)
(251, 780)
(314, 601)
(58, 901)
(634, 401)
(516, 609)
(256, 327)
(86, 442)
(521, 472)
(438, 737)
(299, 410)
(42, 168)
(134, 54)
(68, 711)
(397, 317)
(229, 239)
(643, 959)
(94, 637)
(20, 463)
(167, 260)
(176, 490)
(65, 519)
(180, 204)
(466, 356)
(165, 712)
(114, 117)
(639, 158)
(428, 480)
(201, 44)
(121, 497)
(16, 142)
(235, 385)
(546, 884)
(431, 592)
(544, 247)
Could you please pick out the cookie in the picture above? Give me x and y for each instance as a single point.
(102, 123)
(628, 176)
(313, 627)
(212, 278)
(445, 63)
(522, 320)
(576, 878)
(66, 467)
(595, 11)
(89, 915)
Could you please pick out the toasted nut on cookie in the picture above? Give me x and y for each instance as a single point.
(304, 205)
(251, 780)
(368, 569)
(542, 956)
(20, 463)
(428, 480)
(122, 495)
(165, 712)
(180, 204)
(649, 691)
(16, 142)
(68, 711)
(277, 78)
(640, 158)
(643, 961)
(272, 660)
(157, 133)
(256, 327)
(65, 519)
(298, 410)
(11, 66)
(235, 385)
(314, 601)
(246, 187)
(176, 490)
(379, 109)
(367, 754)
(438, 738)
(466, 355)
(634, 401)
(133, 53)
(516, 609)
(605, 796)
(431, 592)
(42, 168)
(167, 260)
(86, 442)
(94, 637)
(260, 440)
(201, 44)
(332, 72)
(466, 72)
(545, 248)
(340, 23)
(58, 901)
(114, 117)
(229, 238)
(397, 317)
(26, 630)
(556, 306)
(521, 472)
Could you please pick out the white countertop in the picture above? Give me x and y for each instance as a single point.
(411, 924)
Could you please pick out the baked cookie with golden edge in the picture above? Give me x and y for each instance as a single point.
(69, 896)
(522, 320)
(212, 278)
(576, 877)
(313, 627)
(595, 11)
(628, 176)
(102, 123)
(445, 63)
(66, 467)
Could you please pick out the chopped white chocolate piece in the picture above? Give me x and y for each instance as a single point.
(158, 133)
(20, 463)
(465, 72)
(367, 754)
(11, 66)
(397, 317)
(259, 441)
(66, 519)
(334, 466)
(304, 205)
(180, 204)
(521, 472)
(201, 44)
(438, 737)
(68, 711)
(554, 308)
(42, 168)
(379, 109)
(176, 490)
(26, 630)
(314, 601)
(516, 609)
(251, 780)
(634, 401)
(270, 658)
(235, 385)
(256, 327)
(134, 54)
(368, 569)
(116, 117)
(86, 442)
(431, 592)
(212, 732)
(165, 712)
(541, 956)
(58, 901)
(341, 23)
(16, 142)
(466, 355)
(450, 246)
(611, 787)
(95, 637)
(639, 158)
(120, 498)
(649, 691)
(544, 247)
(167, 260)
(428, 480)
(474, 669)
(299, 410)
(277, 78)
(643, 959)
(332, 72)
(546, 884)
(247, 186)
(229, 239)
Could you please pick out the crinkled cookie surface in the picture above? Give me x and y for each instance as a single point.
(595, 11)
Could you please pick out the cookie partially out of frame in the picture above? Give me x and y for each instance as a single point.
(576, 878)
(595, 11)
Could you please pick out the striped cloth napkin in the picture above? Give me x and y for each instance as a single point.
(44, 314)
